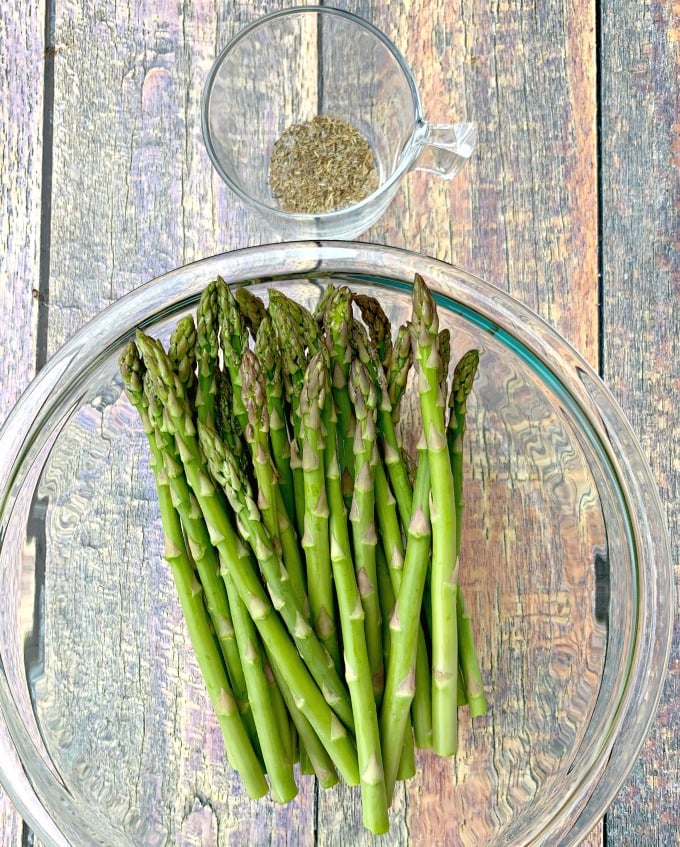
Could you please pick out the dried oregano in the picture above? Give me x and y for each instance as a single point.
(321, 165)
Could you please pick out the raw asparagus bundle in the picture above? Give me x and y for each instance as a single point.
(315, 560)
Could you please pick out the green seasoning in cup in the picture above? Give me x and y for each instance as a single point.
(290, 68)
(322, 165)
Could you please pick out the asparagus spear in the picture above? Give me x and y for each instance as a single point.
(307, 328)
(253, 310)
(461, 386)
(182, 352)
(444, 347)
(225, 422)
(315, 540)
(269, 498)
(463, 378)
(321, 763)
(444, 583)
(362, 517)
(394, 464)
(233, 341)
(293, 365)
(378, 325)
(400, 684)
(273, 742)
(240, 752)
(267, 351)
(207, 351)
(393, 547)
(327, 296)
(357, 669)
(398, 368)
(257, 437)
(338, 321)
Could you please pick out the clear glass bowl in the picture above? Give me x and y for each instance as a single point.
(106, 736)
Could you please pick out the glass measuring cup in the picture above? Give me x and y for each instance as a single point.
(292, 65)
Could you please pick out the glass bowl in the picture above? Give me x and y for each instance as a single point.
(106, 736)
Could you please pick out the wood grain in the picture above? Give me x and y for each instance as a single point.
(523, 214)
(21, 114)
(20, 193)
(641, 296)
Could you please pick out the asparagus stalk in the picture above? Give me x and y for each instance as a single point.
(253, 310)
(444, 347)
(315, 541)
(444, 582)
(225, 421)
(257, 436)
(267, 351)
(207, 351)
(204, 556)
(463, 378)
(394, 464)
(388, 524)
(398, 368)
(321, 763)
(293, 366)
(362, 517)
(357, 669)
(239, 749)
(182, 352)
(378, 325)
(338, 323)
(393, 546)
(270, 502)
(233, 341)
(307, 328)
(400, 684)
(461, 386)
(327, 296)
(266, 709)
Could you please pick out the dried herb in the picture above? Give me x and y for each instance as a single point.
(321, 165)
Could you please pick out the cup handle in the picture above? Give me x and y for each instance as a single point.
(446, 148)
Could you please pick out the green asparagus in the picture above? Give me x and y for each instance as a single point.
(316, 557)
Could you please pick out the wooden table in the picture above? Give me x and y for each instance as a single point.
(570, 203)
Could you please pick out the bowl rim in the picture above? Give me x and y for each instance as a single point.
(182, 285)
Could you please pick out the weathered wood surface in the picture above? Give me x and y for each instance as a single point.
(21, 128)
(133, 195)
(641, 332)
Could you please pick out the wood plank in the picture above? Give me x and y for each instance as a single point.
(20, 191)
(21, 112)
(134, 196)
(523, 214)
(641, 253)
